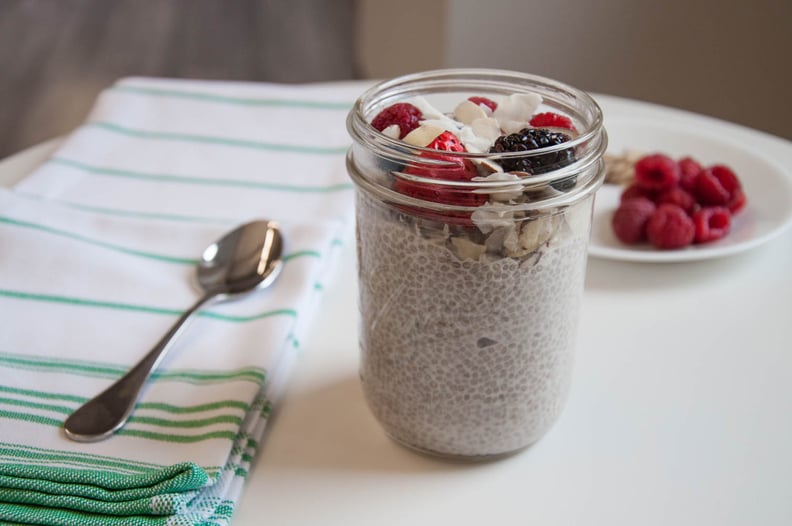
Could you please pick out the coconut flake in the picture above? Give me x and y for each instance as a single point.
(514, 112)
(487, 128)
(505, 193)
(428, 111)
(473, 143)
(490, 216)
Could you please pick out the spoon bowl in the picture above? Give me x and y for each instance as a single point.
(244, 259)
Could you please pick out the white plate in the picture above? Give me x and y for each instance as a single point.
(767, 187)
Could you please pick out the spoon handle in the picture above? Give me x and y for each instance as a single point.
(108, 411)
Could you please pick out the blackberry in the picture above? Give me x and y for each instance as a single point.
(531, 139)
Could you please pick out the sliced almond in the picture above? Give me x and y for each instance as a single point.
(393, 131)
(466, 112)
(423, 135)
(466, 248)
(486, 167)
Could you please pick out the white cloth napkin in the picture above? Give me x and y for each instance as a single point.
(97, 255)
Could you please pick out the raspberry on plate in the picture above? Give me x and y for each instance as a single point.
(635, 190)
(629, 220)
(670, 227)
(688, 170)
(712, 223)
(736, 202)
(709, 190)
(679, 197)
(656, 172)
(549, 119)
(403, 114)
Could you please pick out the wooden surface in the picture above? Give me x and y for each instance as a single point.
(56, 55)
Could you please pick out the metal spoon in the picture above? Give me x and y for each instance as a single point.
(246, 258)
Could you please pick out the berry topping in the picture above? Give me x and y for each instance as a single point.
(447, 142)
(531, 139)
(455, 169)
(688, 170)
(629, 220)
(491, 104)
(670, 227)
(656, 172)
(403, 114)
(549, 119)
(712, 223)
(677, 196)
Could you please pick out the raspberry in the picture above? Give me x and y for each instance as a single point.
(552, 120)
(404, 114)
(656, 172)
(670, 227)
(447, 142)
(679, 197)
(688, 170)
(737, 202)
(712, 223)
(491, 104)
(629, 220)
(455, 169)
(634, 190)
(708, 189)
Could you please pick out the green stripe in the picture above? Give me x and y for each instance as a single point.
(130, 251)
(35, 405)
(241, 101)
(30, 452)
(169, 408)
(135, 419)
(113, 373)
(301, 253)
(127, 213)
(199, 422)
(150, 435)
(99, 243)
(42, 394)
(158, 406)
(142, 308)
(192, 180)
(209, 139)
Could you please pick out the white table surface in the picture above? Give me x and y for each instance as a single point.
(680, 410)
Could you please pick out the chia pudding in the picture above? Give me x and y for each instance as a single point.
(471, 268)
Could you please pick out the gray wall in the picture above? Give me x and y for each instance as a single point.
(730, 59)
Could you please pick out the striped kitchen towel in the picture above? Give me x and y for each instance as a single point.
(98, 249)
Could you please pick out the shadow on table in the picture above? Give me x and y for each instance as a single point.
(341, 434)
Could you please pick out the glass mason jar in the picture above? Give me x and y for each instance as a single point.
(470, 287)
